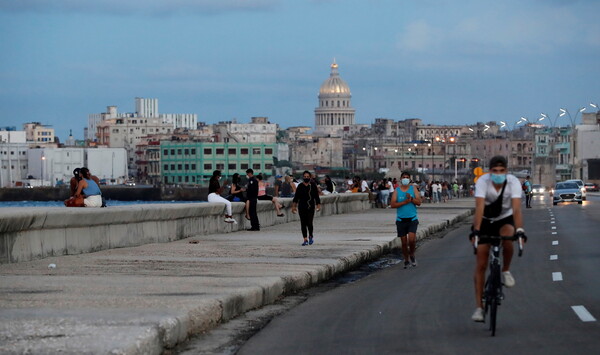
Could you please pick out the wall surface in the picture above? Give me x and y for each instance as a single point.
(35, 233)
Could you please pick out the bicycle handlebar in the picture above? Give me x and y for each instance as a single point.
(486, 238)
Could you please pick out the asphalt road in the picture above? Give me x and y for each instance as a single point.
(426, 310)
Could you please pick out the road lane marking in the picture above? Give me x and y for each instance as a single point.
(583, 314)
(557, 276)
(553, 257)
(553, 227)
(551, 222)
(555, 242)
(554, 232)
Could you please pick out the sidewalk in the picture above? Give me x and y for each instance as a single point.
(141, 300)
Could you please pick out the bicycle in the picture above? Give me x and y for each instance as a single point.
(492, 294)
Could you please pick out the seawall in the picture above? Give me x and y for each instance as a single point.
(35, 233)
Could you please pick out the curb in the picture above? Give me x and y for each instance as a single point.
(172, 331)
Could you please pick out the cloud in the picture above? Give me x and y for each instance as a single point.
(137, 7)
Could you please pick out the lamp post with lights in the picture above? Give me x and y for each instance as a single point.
(573, 121)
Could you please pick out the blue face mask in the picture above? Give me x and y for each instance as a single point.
(405, 181)
(498, 178)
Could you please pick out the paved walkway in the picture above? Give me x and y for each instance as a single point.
(141, 300)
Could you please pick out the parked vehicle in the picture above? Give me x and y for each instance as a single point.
(567, 191)
(591, 187)
(581, 187)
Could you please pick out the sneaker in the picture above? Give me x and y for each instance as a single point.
(310, 240)
(305, 243)
(406, 264)
(230, 220)
(413, 261)
(478, 315)
(509, 280)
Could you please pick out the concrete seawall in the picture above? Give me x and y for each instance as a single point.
(34, 233)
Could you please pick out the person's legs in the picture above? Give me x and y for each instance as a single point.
(253, 215)
(247, 203)
(303, 214)
(213, 197)
(507, 230)
(483, 251)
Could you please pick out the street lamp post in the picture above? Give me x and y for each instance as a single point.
(42, 168)
(573, 121)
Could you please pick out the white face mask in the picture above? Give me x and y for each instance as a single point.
(405, 181)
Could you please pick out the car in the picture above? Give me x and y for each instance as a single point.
(538, 189)
(590, 186)
(567, 191)
(581, 187)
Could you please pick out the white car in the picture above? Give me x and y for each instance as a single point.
(581, 187)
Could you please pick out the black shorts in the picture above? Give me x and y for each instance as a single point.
(265, 198)
(405, 227)
(489, 228)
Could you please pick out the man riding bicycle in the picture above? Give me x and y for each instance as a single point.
(497, 213)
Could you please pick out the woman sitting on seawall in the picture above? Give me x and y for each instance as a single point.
(262, 195)
(237, 193)
(89, 189)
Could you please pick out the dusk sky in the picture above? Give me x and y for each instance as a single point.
(444, 61)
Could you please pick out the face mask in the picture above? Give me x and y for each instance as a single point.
(219, 178)
(498, 178)
(306, 180)
(405, 181)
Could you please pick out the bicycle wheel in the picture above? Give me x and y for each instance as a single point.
(493, 314)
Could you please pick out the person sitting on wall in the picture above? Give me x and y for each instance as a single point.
(262, 195)
(89, 189)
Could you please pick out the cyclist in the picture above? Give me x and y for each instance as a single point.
(497, 213)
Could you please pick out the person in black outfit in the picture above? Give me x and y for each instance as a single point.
(252, 196)
(306, 201)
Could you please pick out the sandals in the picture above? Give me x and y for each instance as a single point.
(280, 215)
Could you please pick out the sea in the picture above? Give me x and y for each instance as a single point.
(61, 203)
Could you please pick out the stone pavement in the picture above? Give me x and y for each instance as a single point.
(141, 300)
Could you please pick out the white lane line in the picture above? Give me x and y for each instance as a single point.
(553, 257)
(553, 227)
(552, 218)
(557, 276)
(555, 242)
(583, 314)
(552, 222)
(554, 233)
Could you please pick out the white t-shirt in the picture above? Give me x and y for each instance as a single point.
(390, 187)
(364, 186)
(485, 188)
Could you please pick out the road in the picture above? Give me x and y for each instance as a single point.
(426, 310)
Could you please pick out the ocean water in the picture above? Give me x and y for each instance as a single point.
(61, 203)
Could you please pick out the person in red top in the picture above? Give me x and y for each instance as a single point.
(262, 195)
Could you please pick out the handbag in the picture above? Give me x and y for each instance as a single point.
(494, 209)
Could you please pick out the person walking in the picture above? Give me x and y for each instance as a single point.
(527, 190)
(306, 202)
(405, 200)
(214, 195)
(252, 196)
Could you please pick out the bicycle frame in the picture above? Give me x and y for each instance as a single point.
(492, 294)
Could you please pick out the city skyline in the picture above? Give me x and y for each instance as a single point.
(444, 63)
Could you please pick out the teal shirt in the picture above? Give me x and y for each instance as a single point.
(528, 184)
(406, 211)
(92, 188)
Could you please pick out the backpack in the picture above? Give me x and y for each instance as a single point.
(524, 186)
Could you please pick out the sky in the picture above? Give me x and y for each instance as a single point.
(446, 62)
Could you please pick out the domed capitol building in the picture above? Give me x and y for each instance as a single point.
(335, 110)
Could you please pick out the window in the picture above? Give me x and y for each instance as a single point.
(172, 166)
(187, 152)
(268, 166)
(232, 151)
(179, 179)
(244, 151)
(172, 151)
(187, 166)
(232, 166)
(244, 166)
(220, 151)
(165, 152)
(207, 166)
(178, 151)
(256, 166)
(193, 151)
(269, 151)
(208, 151)
(187, 178)
(256, 151)
(220, 166)
(179, 167)
(193, 166)
(166, 179)
(166, 167)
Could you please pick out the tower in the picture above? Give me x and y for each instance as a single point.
(334, 111)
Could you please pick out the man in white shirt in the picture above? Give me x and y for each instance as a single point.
(505, 220)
